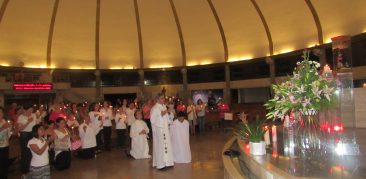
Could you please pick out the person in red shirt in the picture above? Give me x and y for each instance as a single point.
(146, 108)
(222, 108)
(181, 107)
(58, 112)
(12, 113)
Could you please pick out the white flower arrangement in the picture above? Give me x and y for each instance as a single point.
(306, 90)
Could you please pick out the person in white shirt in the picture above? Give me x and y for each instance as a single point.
(192, 117)
(162, 148)
(41, 113)
(25, 123)
(138, 134)
(201, 112)
(38, 145)
(72, 122)
(179, 131)
(88, 141)
(107, 116)
(96, 119)
(5, 132)
(130, 113)
(171, 112)
(121, 126)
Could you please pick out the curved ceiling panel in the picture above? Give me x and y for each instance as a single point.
(26, 25)
(118, 35)
(73, 43)
(24, 31)
(291, 24)
(244, 30)
(200, 32)
(340, 17)
(159, 34)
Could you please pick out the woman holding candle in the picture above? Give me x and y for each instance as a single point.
(62, 145)
(121, 121)
(38, 145)
(107, 116)
(192, 116)
(72, 122)
(5, 132)
(88, 141)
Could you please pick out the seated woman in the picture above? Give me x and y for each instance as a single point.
(38, 145)
(87, 132)
(62, 145)
(138, 134)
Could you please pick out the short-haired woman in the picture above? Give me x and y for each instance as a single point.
(38, 145)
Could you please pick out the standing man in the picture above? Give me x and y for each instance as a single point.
(162, 147)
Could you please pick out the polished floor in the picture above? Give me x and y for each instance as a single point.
(206, 163)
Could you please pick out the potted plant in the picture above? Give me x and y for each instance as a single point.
(254, 133)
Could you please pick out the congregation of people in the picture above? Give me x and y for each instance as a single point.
(50, 135)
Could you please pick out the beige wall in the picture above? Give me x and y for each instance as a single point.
(360, 107)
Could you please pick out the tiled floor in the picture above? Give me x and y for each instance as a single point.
(206, 163)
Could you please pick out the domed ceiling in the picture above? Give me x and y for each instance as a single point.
(125, 34)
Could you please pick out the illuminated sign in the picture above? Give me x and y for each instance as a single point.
(32, 86)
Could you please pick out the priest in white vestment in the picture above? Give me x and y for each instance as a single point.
(162, 147)
(138, 134)
(179, 131)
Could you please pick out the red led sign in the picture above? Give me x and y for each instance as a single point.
(32, 86)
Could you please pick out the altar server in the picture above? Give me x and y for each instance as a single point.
(138, 134)
(179, 131)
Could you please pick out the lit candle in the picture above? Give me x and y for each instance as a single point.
(274, 133)
(266, 137)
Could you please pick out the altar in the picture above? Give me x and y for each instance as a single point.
(277, 164)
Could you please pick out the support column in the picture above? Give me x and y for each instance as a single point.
(185, 85)
(272, 70)
(2, 98)
(227, 90)
(98, 86)
(141, 85)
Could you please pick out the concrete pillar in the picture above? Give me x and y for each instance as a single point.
(98, 85)
(227, 90)
(2, 99)
(141, 95)
(272, 70)
(185, 85)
